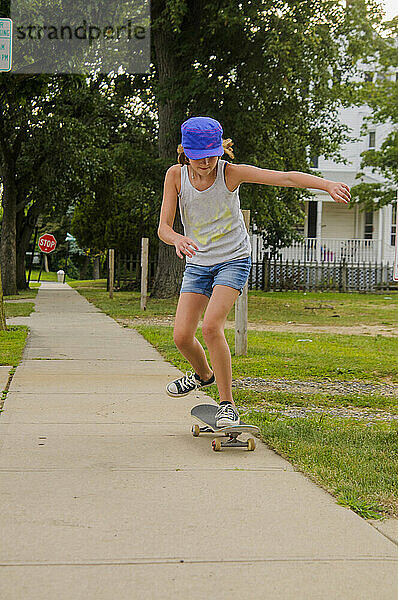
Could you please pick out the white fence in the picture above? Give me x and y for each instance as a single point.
(331, 250)
(278, 275)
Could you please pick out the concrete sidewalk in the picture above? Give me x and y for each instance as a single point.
(106, 494)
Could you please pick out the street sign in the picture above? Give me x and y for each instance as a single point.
(47, 243)
(5, 44)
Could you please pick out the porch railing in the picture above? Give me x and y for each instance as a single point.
(331, 250)
(280, 275)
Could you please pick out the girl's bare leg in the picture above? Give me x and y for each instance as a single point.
(221, 302)
(189, 311)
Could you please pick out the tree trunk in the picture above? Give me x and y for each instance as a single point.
(25, 227)
(83, 270)
(23, 237)
(8, 241)
(3, 325)
(22, 283)
(8, 251)
(170, 268)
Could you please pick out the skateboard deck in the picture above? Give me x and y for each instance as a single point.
(206, 413)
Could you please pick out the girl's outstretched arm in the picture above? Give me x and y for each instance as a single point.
(340, 192)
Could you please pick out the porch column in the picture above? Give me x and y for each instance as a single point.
(380, 244)
(356, 222)
(319, 229)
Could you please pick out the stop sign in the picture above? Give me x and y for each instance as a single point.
(47, 243)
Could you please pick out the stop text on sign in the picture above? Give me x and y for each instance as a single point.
(47, 243)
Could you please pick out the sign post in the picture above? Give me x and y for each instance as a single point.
(69, 238)
(111, 271)
(5, 44)
(395, 269)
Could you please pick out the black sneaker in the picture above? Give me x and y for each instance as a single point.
(191, 381)
(227, 415)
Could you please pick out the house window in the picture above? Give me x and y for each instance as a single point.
(314, 162)
(368, 225)
(393, 223)
(372, 139)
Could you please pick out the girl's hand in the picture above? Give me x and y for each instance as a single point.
(340, 192)
(184, 245)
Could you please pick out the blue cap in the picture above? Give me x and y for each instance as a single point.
(201, 137)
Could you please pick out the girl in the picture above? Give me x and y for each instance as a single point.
(217, 249)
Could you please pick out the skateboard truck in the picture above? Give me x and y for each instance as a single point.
(232, 442)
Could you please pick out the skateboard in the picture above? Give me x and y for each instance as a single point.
(206, 413)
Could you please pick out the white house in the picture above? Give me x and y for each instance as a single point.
(333, 231)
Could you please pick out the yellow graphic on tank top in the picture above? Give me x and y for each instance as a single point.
(198, 223)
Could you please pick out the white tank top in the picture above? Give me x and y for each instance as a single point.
(213, 220)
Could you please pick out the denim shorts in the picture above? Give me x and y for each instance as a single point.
(201, 280)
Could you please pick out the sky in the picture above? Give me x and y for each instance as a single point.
(391, 9)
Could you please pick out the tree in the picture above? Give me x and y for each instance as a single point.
(51, 129)
(118, 209)
(53, 133)
(273, 73)
(14, 94)
(381, 94)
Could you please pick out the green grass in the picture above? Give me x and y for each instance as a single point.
(273, 307)
(355, 462)
(20, 309)
(52, 276)
(324, 308)
(23, 295)
(272, 399)
(44, 276)
(123, 304)
(89, 284)
(12, 343)
(281, 355)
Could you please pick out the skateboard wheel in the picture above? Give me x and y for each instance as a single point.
(195, 430)
(216, 445)
(250, 444)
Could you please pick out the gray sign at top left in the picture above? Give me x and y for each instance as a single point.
(67, 36)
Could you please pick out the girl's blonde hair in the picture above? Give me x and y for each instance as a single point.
(184, 160)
